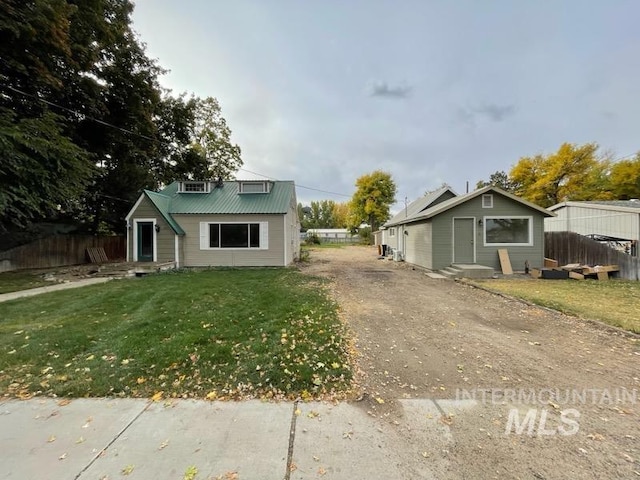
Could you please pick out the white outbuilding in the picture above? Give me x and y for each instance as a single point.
(615, 219)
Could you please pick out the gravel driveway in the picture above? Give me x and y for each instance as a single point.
(523, 392)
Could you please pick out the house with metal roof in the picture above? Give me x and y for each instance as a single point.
(201, 223)
(606, 220)
(469, 230)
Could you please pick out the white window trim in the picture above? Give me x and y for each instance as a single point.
(135, 237)
(499, 217)
(176, 250)
(204, 236)
(181, 189)
(265, 186)
(490, 197)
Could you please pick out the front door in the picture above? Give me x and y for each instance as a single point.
(463, 240)
(145, 241)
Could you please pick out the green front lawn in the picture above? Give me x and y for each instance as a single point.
(616, 302)
(206, 334)
(21, 280)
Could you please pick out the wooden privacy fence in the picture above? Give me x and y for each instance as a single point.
(60, 250)
(569, 247)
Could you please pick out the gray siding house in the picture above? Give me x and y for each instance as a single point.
(234, 223)
(388, 235)
(470, 228)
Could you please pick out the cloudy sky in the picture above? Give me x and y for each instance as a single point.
(448, 91)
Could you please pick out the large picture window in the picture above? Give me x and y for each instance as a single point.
(233, 235)
(508, 231)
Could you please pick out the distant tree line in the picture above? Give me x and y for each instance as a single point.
(84, 122)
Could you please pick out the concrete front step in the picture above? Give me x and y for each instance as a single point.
(467, 271)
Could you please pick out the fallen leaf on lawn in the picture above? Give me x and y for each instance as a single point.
(313, 414)
(157, 396)
(347, 434)
(63, 456)
(64, 402)
(127, 470)
(163, 444)
(293, 467)
(379, 400)
(51, 439)
(141, 380)
(80, 440)
(212, 395)
(321, 471)
(316, 459)
(90, 357)
(297, 412)
(190, 473)
(425, 454)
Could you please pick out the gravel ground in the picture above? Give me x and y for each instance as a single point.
(423, 338)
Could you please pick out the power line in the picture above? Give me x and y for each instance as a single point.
(130, 132)
(93, 119)
(298, 185)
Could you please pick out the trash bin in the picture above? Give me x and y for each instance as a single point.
(384, 250)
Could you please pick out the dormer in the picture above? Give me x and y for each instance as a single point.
(194, 186)
(254, 186)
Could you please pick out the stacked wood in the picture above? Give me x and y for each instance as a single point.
(575, 271)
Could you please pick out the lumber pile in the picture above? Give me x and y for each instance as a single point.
(575, 271)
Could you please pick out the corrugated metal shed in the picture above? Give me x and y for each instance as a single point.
(617, 219)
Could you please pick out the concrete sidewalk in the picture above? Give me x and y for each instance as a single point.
(4, 297)
(108, 439)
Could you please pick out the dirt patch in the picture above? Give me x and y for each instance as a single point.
(423, 338)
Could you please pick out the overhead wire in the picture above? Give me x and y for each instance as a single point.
(130, 132)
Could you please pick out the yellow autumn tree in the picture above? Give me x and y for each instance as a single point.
(624, 177)
(375, 193)
(574, 172)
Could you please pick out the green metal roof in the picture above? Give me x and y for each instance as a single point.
(162, 203)
(221, 200)
(227, 200)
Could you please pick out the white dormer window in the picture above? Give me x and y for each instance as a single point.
(254, 187)
(487, 200)
(194, 187)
